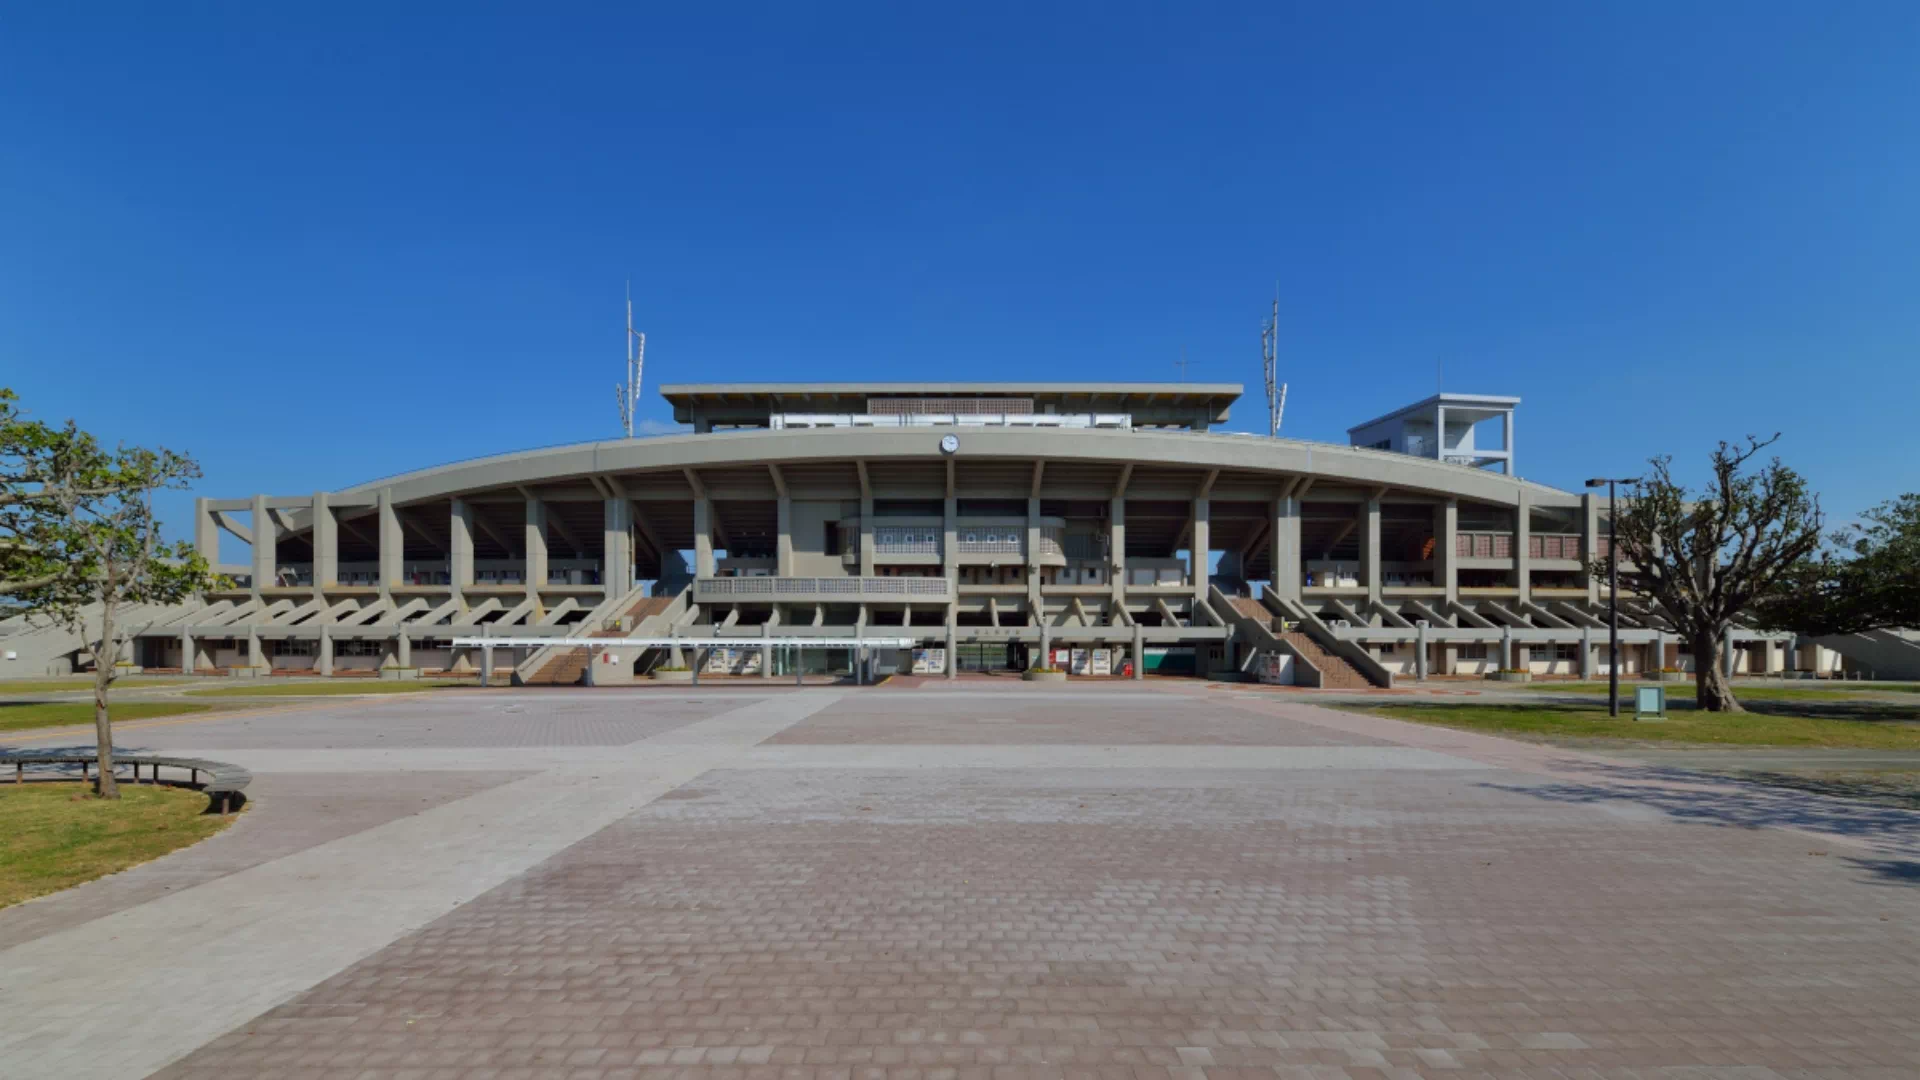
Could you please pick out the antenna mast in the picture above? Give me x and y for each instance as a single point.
(628, 393)
(1270, 356)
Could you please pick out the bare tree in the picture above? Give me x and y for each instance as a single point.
(80, 546)
(1706, 558)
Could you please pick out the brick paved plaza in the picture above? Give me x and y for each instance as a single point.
(987, 882)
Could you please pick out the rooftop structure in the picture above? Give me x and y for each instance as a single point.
(1442, 427)
(707, 406)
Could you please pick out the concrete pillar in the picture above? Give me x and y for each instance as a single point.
(616, 558)
(1659, 662)
(783, 537)
(1506, 433)
(766, 650)
(460, 557)
(1420, 650)
(256, 653)
(1034, 603)
(206, 533)
(1117, 552)
(265, 537)
(186, 652)
(1046, 645)
(953, 647)
(1506, 648)
(1139, 652)
(323, 652)
(1198, 549)
(1726, 656)
(1589, 545)
(1370, 550)
(702, 538)
(392, 543)
(535, 542)
(1523, 546)
(866, 535)
(1586, 653)
(326, 545)
(1284, 543)
(1446, 550)
(1449, 658)
(403, 649)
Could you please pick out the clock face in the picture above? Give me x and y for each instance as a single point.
(949, 443)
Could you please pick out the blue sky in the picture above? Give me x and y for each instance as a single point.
(322, 246)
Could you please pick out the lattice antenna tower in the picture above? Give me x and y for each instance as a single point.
(1270, 357)
(628, 393)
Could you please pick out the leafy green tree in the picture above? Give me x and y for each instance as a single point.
(80, 546)
(1867, 578)
(1706, 558)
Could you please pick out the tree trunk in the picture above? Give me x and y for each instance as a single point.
(105, 654)
(1710, 690)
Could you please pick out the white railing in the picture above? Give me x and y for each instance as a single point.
(793, 587)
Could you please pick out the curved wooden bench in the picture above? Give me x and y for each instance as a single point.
(226, 783)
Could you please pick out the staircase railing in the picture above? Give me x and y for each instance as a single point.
(594, 623)
(1261, 635)
(1322, 635)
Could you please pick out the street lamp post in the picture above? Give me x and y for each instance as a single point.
(1613, 598)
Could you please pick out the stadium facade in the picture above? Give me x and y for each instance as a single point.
(1114, 527)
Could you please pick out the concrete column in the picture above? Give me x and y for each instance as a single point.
(702, 538)
(1370, 550)
(953, 646)
(403, 649)
(460, 557)
(326, 545)
(1507, 439)
(1034, 602)
(1523, 546)
(256, 654)
(950, 545)
(535, 542)
(1420, 651)
(392, 543)
(323, 652)
(1506, 648)
(1660, 653)
(1446, 550)
(766, 650)
(1586, 653)
(1197, 548)
(186, 653)
(1726, 656)
(1117, 552)
(265, 535)
(783, 537)
(1589, 545)
(206, 534)
(866, 536)
(1285, 548)
(616, 558)
(1449, 658)
(1440, 435)
(1046, 645)
(1139, 652)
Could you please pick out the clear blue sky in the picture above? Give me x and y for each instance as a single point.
(314, 248)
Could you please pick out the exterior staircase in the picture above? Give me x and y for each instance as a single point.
(559, 665)
(1336, 672)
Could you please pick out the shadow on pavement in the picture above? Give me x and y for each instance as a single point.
(1739, 802)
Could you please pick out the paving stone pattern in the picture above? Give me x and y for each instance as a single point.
(1131, 924)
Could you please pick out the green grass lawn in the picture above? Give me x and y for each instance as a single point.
(1834, 691)
(77, 683)
(259, 688)
(54, 836)
(1862, 725)
(24, 715)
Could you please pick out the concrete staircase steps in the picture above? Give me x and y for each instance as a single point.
(1336, 672)
(565, 669)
